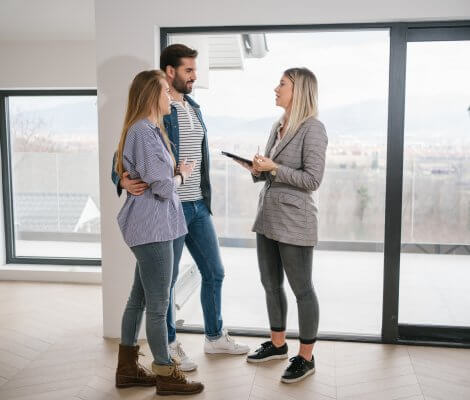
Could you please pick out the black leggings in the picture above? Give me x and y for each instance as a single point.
(273, 259)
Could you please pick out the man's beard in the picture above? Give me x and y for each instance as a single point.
(181, 86)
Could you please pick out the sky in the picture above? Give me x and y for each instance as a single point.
(350, 67)
(38, 103)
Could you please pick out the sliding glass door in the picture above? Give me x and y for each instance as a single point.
(237, 74)
(435, 262)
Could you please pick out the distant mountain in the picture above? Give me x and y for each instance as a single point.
(363, 119)
(367, 119)
(78, 118)
(230, 127)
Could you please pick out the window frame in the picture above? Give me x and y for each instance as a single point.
(7, 189)
(400, 34)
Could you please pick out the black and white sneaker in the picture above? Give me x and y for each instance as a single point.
(267, 352)
(298, 369)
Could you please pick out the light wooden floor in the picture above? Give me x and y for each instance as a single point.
(51, 348)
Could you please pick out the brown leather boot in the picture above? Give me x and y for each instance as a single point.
(129, 372)
(170, 380)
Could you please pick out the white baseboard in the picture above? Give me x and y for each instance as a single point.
(50, 273)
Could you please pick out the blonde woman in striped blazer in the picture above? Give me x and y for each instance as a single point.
(286, 223)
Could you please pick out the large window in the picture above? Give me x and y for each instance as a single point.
(394, 99)
(238, 104)
(50, 151)
(436, 185)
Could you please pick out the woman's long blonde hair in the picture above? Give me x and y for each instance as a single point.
(304, 98)
(144, 96)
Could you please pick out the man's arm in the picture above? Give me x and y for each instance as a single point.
(133, 186)
(115, 177)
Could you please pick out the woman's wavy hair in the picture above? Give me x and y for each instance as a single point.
(144, 96)
(304, 98)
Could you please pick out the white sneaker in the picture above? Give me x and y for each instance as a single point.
(178, 354)
(225, 344)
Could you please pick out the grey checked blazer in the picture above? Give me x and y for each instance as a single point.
(286, 210)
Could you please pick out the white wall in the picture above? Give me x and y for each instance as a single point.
(127, 40)
(47, 64)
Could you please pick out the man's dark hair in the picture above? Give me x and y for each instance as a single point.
(173, 54)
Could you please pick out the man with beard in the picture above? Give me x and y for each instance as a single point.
(188, 135)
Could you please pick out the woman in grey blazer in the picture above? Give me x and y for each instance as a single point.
(286, 223)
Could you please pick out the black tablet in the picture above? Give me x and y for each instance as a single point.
(235, 157)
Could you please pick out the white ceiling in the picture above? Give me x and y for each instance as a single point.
(47, 20)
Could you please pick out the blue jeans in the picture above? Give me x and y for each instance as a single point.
(150, 290)
(203, 246)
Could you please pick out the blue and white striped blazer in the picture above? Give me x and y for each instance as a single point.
(157, 214)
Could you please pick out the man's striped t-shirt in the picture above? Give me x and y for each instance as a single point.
(191, 135)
